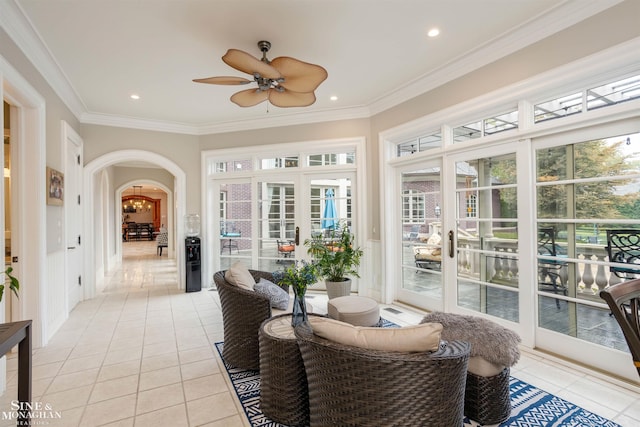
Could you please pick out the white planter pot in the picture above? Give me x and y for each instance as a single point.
(338, 289)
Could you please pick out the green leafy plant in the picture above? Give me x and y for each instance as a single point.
(297, 276)
(335, 255)
(14, 284)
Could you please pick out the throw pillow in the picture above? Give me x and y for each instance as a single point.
(489, 340)
(424, 337)
(238, 274)
(278, 297)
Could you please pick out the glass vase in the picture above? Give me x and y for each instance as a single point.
(299, 314)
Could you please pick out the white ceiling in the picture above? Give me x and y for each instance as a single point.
(376, 52)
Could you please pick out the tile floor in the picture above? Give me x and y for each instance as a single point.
(141, 354)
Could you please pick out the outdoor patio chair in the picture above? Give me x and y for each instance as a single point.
(624, 301)
(623, 247)
(429, 254)
(286, 249)
(353, 386)
(550, 272)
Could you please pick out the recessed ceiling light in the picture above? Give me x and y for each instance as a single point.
(333, 98)
(135, 96)
(433, 32)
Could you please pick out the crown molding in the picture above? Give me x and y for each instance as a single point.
(232, 126)
(566, 14)
(288, 120)
(137, 123)
(14, 21)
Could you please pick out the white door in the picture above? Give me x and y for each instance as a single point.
(73, 218)
(423, 245)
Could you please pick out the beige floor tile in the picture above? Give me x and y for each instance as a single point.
(82, 364)
(196, 354)
(128, 422)
(174, 416)
(125, 343)
(126, 355)
(119, 370)
(77, 379)
(47, 370)
(50, 354)
(68, 399)
(199, 369)
(201, 410)
(204, 386)
(38, 387)
(156, 349)
(109, 411)
(114, 388)
(88, 350)
(160, 377)
(68, 418)
(159, 398)
(159, 362)
(193, 342)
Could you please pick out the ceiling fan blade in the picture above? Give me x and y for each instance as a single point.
(299, 76)
(250, 97)
(224, 80)
(246, 63)
(291, 99)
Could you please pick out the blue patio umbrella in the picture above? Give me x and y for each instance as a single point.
(330, 215)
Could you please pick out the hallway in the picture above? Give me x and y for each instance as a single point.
(141, 354)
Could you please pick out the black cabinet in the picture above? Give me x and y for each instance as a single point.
(192, 259)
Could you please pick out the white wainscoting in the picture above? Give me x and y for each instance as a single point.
(56, 293)
(371, 271)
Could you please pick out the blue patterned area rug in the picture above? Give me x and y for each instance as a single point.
(531, 407)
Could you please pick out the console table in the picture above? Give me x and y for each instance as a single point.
(19, 333)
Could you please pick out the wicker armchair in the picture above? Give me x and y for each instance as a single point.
(351, 386)
(243, 312)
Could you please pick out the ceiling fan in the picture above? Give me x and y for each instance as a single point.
(284, 81)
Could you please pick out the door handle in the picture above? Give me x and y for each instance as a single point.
(71, 247)
(450, 243)
(297, 236)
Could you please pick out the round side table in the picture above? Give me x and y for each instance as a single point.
(284, 396)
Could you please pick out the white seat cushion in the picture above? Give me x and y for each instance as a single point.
(416, 338)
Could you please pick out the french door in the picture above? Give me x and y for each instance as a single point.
(421, 212)
(484, 232)
(458, 221)
(264, 220)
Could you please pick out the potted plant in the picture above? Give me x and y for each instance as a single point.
(14, 284)
(336, 258)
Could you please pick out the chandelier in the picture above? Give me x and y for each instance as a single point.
(137, 201)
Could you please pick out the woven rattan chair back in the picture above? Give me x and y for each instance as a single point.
(350, 386)
(243, 311)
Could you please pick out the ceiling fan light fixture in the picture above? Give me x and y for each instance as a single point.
(284, 81)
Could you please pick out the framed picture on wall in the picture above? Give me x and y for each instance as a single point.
(55, 187)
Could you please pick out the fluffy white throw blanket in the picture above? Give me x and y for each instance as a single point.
(489, 340)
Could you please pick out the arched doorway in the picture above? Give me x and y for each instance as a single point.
(160, 197)
(96, 201)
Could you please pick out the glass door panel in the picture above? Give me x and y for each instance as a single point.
(421, 230)
(235, 223)
(330, 205)
(487, 236)
(276, 224)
